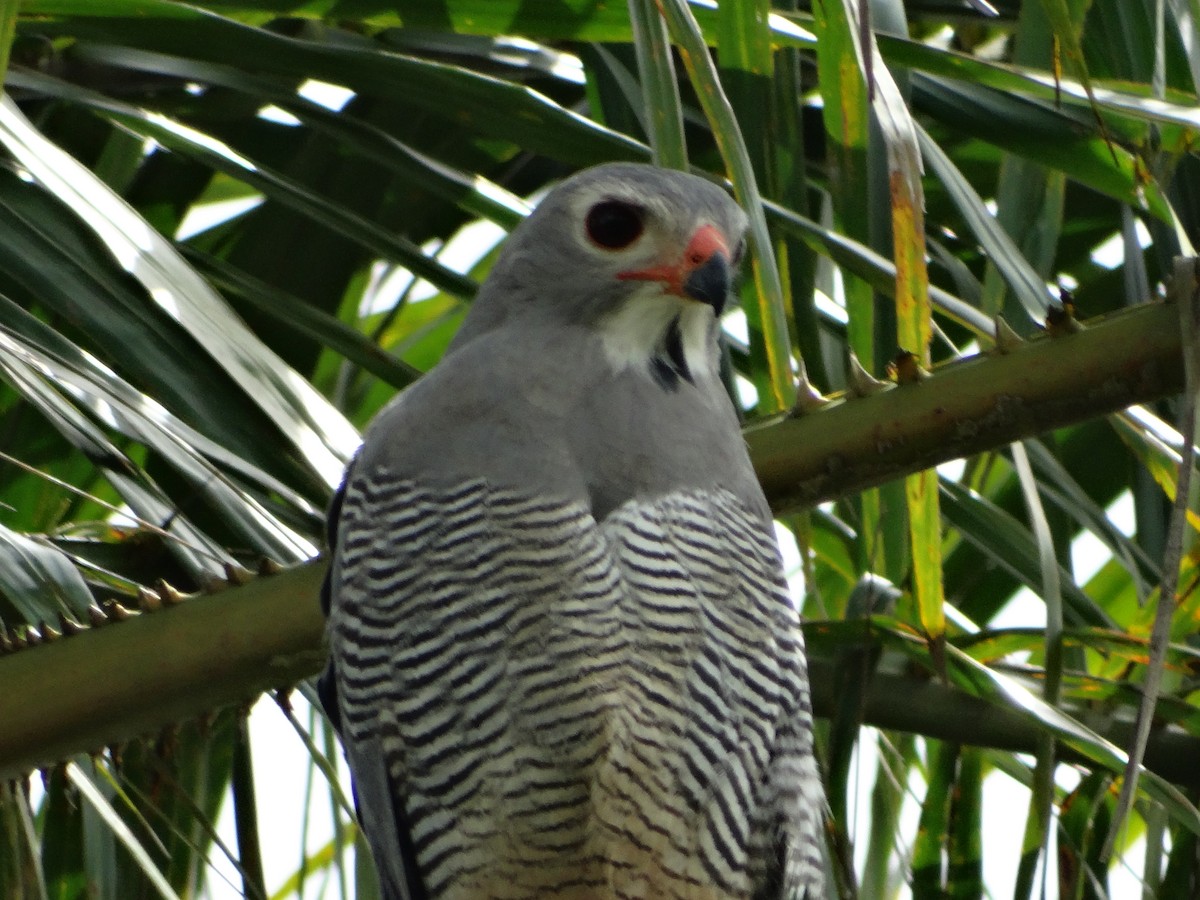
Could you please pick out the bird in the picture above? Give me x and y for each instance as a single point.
(563, 657)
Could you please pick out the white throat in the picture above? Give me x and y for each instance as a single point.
(633, 335)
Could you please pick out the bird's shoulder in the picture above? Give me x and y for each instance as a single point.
(488, 410)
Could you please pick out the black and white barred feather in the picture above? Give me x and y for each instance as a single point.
(555, 707)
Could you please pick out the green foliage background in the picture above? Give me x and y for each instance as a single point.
(177, 400)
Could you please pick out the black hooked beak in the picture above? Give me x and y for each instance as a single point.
(711, 282)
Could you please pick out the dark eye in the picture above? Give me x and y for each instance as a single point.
(739, 253)
(614, 224)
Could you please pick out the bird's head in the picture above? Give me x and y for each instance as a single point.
(645, 257)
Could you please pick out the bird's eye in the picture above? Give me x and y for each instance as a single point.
(614, 224)
(739, 253)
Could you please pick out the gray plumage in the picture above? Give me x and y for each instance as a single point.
(564, 661)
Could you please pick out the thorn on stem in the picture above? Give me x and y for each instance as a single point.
(808, 398)
(148, 600)
(169, 594)
(1007, 338)
(237, 575)
(268, 566)
(862, 383)
(117, 612)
